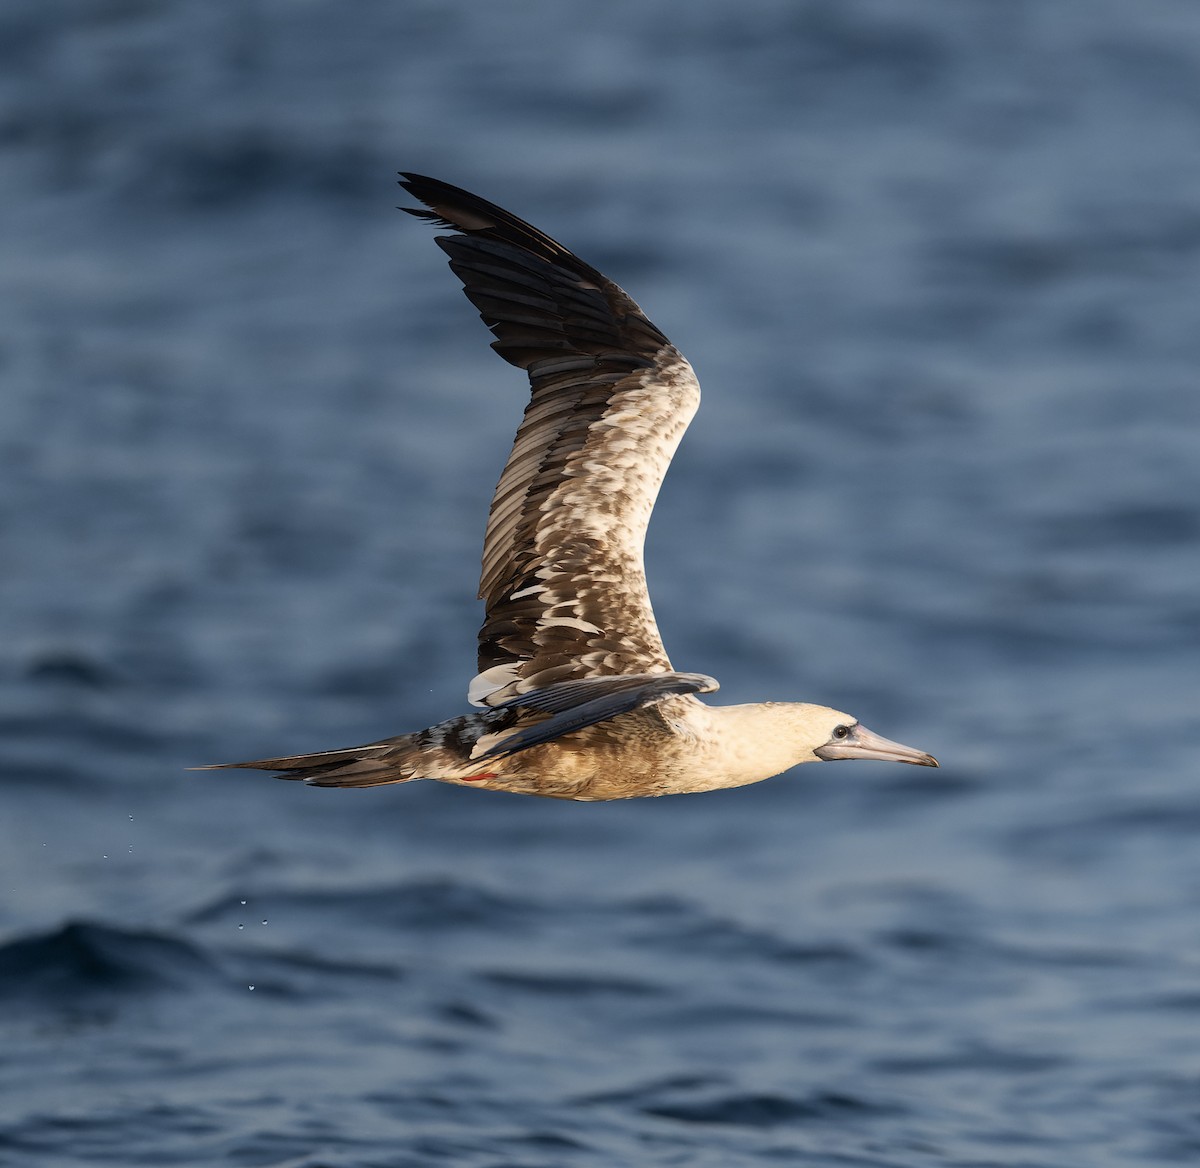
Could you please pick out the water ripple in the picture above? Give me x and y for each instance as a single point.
(82, 959)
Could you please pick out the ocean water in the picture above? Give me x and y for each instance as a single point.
(938, 267)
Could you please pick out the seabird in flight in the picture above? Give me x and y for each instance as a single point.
(577, 697)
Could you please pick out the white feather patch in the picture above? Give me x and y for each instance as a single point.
(571, 622)
(490, 680)
(485, 743)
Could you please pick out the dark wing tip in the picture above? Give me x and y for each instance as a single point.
(429, 190)
(455, 209)
(450, 206)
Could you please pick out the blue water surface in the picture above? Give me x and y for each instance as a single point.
(938, 267)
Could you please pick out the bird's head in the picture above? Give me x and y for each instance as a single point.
(768, 738)
(835, 735)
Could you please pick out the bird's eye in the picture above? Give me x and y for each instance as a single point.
(841, 731)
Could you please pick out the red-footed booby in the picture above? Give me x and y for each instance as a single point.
(578, 698)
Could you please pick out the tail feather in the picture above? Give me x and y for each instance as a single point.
(390, 761)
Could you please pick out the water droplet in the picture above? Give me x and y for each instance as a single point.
(264, 920)
(252, 987)
(131, 819)
(241, 926)
(131, 847)
(243, 902)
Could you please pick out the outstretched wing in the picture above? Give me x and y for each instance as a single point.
(563, 575)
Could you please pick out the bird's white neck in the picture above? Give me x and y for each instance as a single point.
(753, 742)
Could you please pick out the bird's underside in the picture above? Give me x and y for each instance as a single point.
(578, 698)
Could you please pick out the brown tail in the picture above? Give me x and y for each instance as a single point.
(391, 761)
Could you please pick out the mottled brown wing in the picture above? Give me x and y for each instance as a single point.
(563, 574)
